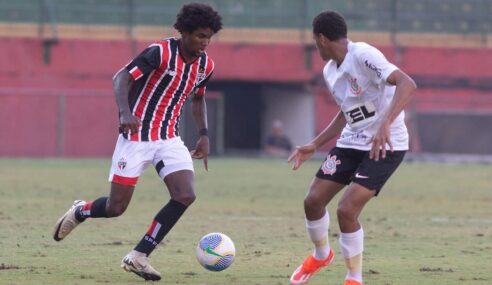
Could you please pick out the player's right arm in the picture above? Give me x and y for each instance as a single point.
(303, 153)
(148, 60)
(122, 84)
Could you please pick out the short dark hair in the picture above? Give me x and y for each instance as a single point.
(331, 25)
(197, 15)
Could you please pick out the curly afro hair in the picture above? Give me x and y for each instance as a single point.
(331, 25)
(197, 15)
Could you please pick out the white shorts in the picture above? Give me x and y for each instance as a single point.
(131, 158)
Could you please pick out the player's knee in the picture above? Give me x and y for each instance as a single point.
(116, 210)
(346, 212)
(186, 198)
(311, 202)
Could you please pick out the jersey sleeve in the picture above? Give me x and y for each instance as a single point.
(149, 59)
(208, 68)
(202, 86)
(375, 65)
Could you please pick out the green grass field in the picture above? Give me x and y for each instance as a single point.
(432, 224)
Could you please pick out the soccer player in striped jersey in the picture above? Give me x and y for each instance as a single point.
(150, 92)
(371, 93)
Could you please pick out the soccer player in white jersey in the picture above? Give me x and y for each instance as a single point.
(371, 93)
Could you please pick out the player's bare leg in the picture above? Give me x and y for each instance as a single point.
(321, 192)
(119, 199)
(103, 207)
(181, 186)
(181, 189)
(352, 235)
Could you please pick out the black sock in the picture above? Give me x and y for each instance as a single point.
(161, 225)
(92, 209)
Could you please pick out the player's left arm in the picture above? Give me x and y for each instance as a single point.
(405, 86)
(199, 111)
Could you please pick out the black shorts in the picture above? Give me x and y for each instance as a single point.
(345, 165)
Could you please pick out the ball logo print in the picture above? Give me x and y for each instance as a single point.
(215, 251)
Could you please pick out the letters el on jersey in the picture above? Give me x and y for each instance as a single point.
(360, 113)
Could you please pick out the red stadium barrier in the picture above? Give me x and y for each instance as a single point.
(91, 64)
(29, 125)
(58, 125)
(66, 107)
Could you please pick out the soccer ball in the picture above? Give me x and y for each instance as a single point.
(215, 251)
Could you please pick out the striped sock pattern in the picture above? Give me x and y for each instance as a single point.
(160, 226)
(92, 209)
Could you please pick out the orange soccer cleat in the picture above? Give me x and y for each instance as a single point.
(351, 282)
(309, 267)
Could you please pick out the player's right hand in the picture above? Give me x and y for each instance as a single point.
(301, 154)
(129, 124)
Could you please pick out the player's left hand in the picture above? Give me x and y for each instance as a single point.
(202, 150)
(379, 142)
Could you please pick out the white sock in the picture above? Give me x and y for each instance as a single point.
(318, 233)
(352, 246)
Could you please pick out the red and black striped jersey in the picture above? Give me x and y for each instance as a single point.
(163, 81)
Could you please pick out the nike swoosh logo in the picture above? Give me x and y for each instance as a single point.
(357, 175)
(210, 251)
(58, 230)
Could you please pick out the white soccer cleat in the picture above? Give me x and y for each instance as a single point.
(138, 263)
(67, 222)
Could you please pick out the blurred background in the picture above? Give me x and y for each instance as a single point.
(57, 58)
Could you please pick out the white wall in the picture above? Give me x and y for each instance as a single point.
(294, 107)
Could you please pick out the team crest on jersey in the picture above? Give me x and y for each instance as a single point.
(122, 163)
(329, 167)
(201, 74)
(354, 86)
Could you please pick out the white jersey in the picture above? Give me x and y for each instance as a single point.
(360, 89)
